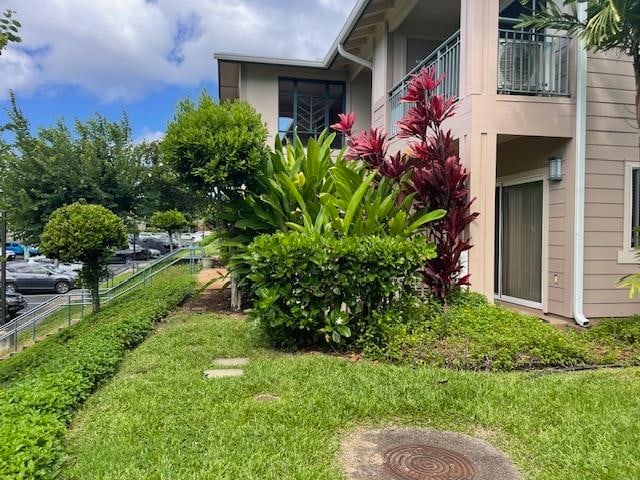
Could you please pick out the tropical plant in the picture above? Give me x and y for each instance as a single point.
(609, 25)
(9, 28)
(171, 221)
(84, 233)
(306, 190)
(430, 174)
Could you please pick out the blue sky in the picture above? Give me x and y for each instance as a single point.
(79, 57)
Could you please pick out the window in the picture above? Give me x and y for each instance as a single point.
(635, 207)
(631, 233)
(307, 107)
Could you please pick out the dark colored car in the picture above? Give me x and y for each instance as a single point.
(151, 242)
(15, 303)
(127, 255)
(31, 277)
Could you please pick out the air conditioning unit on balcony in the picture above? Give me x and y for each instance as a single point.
(521, 65)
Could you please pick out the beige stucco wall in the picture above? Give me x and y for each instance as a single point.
(612, 140)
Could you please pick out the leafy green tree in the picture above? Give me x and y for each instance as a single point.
(170, 221)
(215, 148)
(610, 25)
(84, 233)
(9, 28)
(95, 162)
(161, 188)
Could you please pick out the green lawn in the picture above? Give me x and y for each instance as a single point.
(158, 418)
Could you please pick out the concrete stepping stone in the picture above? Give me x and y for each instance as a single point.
(224, 372)
(266, 398)
(231, 362)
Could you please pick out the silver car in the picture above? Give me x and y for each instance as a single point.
(31, 277)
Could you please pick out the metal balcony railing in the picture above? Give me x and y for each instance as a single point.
(532, 63)
(446, 60)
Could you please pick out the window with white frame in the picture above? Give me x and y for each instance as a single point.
(631, 230)
(635, 207)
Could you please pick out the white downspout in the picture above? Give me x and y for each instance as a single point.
(581, 147)
(354, 58)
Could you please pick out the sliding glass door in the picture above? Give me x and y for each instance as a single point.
(519, 215)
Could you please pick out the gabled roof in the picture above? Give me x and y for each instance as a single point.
(375, 16)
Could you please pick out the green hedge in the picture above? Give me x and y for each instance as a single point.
(313, 287)
(43, 385)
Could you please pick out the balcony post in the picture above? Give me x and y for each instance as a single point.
(479, 47)
(479, 152)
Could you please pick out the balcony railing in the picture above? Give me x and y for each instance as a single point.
(446, 59)
(531, 63)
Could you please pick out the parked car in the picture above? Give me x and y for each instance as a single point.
(19, 249)
(127, 256)
(10, 255)
(154, 243)
(31, 277)
(166, 241)
(70, 268)
(154, 253)
(15, 303)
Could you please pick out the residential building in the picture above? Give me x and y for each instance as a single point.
(546, 129)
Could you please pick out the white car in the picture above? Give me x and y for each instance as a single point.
(10, 255)
(155, 253)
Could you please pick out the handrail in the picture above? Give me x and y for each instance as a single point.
(431, 58)
(533, 63)
(446, 59)
(82, 297)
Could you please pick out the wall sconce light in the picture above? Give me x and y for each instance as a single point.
(555, 169)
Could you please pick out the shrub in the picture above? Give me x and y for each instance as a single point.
(311, 287)
(44, 384)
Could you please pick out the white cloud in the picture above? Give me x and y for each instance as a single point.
(149, 136)
(122, 49)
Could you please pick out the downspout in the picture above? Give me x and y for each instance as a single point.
(354, 58)
(581, 147)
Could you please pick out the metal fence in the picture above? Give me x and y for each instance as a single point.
(63, 310)
(446, 60)
(533, 63)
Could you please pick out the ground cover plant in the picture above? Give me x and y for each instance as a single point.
(42, 386)
(473, 334)
(160, 418)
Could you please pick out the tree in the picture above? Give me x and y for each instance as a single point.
(171, 221)
(95, 162)
(431, 173)
(9, 28)
(161, 188)
(215, 148)
(610, 25)
(84, 233)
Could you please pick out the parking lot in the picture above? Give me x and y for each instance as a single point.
(36, 299)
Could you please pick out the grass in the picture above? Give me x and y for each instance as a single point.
(159, 418)
(475, 335)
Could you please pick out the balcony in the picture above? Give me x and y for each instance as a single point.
(446, 59)
(529, 63)
(532, 63)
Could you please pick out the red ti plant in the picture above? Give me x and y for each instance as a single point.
(436, 176)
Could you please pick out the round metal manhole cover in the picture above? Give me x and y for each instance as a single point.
(422, 462)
